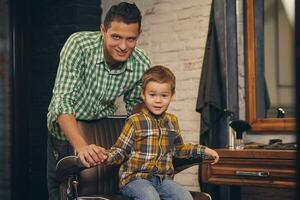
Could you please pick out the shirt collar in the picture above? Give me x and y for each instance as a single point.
(160, 118)
(126, 65)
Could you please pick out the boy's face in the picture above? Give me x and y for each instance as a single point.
(119, 40)
(157, 97)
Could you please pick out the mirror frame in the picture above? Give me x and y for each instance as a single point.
(258, 124)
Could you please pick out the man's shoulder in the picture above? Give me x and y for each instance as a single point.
(85, 34)
(140, 56)
(85, 38)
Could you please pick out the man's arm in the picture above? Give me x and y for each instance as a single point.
(90, 155)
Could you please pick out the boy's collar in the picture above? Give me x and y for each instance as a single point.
(155, 117)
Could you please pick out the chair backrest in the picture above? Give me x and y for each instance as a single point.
(102, 179)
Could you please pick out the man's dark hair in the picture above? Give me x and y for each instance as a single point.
(123, 12)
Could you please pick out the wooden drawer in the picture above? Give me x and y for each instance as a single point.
(252, 167)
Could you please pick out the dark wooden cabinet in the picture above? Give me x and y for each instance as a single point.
(253, 174)
(252, 167)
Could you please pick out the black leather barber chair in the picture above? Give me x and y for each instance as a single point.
(101, 182)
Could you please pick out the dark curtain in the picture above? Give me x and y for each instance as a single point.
(211, 95)
(218, 87)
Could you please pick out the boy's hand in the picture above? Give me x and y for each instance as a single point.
(213, 154)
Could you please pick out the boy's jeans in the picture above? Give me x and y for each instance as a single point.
(155, 189)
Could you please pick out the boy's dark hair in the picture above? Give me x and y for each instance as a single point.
(160, 74)
(123, 12)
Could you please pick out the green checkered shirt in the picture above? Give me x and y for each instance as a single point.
(148, 144)
(86, 87)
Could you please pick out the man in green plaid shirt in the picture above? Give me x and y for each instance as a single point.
(95, 68)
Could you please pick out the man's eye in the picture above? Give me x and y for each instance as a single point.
(116, 37)
(131, 40)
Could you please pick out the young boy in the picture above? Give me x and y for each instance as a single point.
(149, 141)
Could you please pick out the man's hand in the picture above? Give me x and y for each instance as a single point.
(91, 155)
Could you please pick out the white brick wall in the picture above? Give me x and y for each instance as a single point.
(174, 34)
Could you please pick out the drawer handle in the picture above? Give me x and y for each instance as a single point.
(256, 174)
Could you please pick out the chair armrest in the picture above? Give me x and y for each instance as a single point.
(181, 164)
(71, 165)
(67, 166)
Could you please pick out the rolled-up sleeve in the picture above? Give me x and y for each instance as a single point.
(67, 82)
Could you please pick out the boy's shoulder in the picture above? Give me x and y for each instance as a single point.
(171, 117)
(136, 117)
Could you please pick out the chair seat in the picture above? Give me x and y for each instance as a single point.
(200, 195)
(103, 197)
(196, 196)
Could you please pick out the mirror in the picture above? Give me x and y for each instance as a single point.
(276, 73)
(264, 73)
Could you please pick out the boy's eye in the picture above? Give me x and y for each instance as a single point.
(152, 94)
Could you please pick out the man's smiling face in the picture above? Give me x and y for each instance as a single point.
(119, 41)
